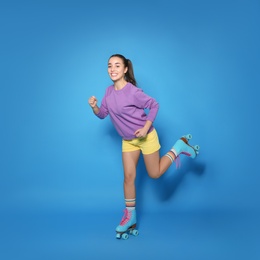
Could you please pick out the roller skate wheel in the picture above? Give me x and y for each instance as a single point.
(196, 147)
(125, 236)
(118, 236)
(188, 137)
(135, 232)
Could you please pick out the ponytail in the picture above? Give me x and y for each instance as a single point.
(129, 75)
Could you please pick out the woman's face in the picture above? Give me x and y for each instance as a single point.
(116, 69)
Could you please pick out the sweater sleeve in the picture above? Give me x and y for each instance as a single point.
(103, 110)
(146, 102)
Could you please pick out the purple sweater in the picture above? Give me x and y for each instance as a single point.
(126, 109)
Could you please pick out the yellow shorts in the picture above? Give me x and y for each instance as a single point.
(147, 145)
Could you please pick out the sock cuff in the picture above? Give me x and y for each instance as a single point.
(130, 203)
(170, 157)
(130, 200)
(175, 153)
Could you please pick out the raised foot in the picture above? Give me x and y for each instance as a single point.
(186, 138)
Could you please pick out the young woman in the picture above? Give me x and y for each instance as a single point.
(125, 104)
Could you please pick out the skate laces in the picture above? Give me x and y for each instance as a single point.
(178, 162)
(126, 217)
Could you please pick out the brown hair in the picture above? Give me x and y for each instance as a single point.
(129, 75)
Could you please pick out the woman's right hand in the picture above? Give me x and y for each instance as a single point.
(92, 101)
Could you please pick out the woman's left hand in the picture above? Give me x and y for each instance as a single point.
(140, 133)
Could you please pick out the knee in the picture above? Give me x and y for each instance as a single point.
(129, 178)
(154, 175)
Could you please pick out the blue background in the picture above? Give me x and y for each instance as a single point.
(61, 172)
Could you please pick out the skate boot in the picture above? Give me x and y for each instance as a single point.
(127, 225)
(182, 146)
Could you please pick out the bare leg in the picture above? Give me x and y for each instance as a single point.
(157, 166)
(130, 160)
